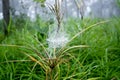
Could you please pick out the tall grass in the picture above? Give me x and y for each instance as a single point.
(99, 61)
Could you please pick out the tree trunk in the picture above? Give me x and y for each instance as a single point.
(6, 15)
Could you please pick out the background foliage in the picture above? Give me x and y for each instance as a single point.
(99, 61)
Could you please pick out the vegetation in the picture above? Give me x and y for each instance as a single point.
(91, 55)
(118, 2)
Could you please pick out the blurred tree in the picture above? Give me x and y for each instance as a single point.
(80, 7)
(6, 15)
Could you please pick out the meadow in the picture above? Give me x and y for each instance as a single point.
(94, 54)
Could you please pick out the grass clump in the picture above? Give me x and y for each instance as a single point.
(98, 60)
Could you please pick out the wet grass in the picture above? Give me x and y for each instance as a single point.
(99, 61)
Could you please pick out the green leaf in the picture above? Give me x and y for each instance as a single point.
(97, 78)
(41, 1)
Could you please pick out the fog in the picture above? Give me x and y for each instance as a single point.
(91, 8)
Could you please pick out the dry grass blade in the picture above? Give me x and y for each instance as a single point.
(35, 60)
(46, 52)
(56, 10)
(51, 8)
(36, 51)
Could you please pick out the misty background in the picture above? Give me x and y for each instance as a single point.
(90, 8)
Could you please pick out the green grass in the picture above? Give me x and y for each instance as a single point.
(100, 61)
